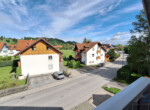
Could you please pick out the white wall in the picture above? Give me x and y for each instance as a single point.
(38, 64)
(92, 60)
(5, 51)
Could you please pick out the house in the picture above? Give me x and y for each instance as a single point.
(38, 58)
(12, 50)
(4, 50)
(22, 44)
(107, 47)
(90, 53)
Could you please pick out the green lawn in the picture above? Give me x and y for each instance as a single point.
(6, 80)
(10, 41)
(68, 52)
(112, 90)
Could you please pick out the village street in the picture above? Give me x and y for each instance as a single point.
(68, 94)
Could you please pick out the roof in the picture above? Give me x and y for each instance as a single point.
(85, 47)
(1, 45)
(12, 47)
(36, 43)
(22, 44)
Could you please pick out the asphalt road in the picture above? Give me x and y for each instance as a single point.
(67, 95)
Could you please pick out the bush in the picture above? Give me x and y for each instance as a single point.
(18, 71)
(124, 73)
(66, 73)
(5, 58)
(73, 64)
(6, 63)
(134, 76)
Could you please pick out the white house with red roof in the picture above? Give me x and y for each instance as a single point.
(38, 58)
(7, 50)
(91, 53)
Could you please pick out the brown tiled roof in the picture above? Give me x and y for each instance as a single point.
(1, 45)
(35, 43)
(12, 47)
(22, 44)
(85, 47)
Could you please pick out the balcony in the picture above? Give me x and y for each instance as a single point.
(98, 57)
(98, 51)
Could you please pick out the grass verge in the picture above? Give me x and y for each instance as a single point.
(112, 90)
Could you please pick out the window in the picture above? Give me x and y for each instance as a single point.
(14, 46)
(48, 48)
(93, 49)
(89, 61)
(33, 48)
(92, 55)
(5, 51)
(50, 66)
(101, 54)
(92, 61)
(50, 57)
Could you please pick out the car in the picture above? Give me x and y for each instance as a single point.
(101, 65)
(58, 75)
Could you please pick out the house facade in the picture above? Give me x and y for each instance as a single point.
(4, 50)
(39, 58)
(12, 50)
(7, 50)
(90, 53)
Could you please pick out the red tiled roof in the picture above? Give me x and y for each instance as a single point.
(22, 44)
(12, 47)
(85, 47)
(35, 43)
(1, 45)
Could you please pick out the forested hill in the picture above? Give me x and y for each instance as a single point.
(53, 41)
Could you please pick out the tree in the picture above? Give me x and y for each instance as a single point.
(139, 52)
(87, 40)
(112, 54)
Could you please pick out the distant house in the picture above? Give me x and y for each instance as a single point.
(107, 47)
(4, 50)
(12, 50)
(39, 57)
(90, 53)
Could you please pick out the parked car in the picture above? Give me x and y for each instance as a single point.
(101, 65)
(58, 75)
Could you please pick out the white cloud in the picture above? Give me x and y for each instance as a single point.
(135, 7)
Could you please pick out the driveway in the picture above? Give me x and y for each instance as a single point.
(65, 95)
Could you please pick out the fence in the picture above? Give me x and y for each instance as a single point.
(16, 89)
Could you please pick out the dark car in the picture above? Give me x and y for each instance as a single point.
(58, 75)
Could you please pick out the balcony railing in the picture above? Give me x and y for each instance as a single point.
(98, 51)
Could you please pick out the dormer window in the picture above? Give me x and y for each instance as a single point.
(48, 48)
(33, 48)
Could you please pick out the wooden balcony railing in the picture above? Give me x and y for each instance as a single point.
(98, 51)
(98, 57)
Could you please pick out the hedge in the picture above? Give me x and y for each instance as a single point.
(13, 63)
(6, 63)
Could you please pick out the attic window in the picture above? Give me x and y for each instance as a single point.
(33, 48)
(93, 49)
(48, 48)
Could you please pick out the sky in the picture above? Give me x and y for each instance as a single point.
(105, 21)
